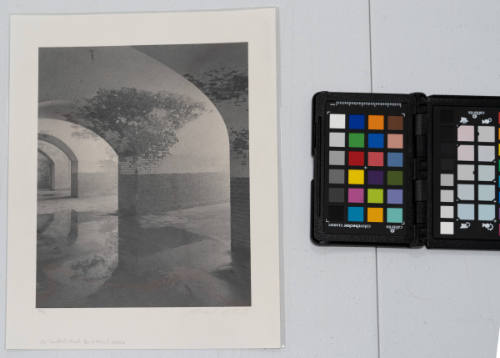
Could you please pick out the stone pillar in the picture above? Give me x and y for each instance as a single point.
(240, 213)
(74, 178)
(240, 230)
(128, 184)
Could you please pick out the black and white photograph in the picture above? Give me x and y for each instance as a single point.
(143, 176)
(143, 179)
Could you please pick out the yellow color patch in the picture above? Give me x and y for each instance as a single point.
(375, 122)
(356, 176)
(375, 215)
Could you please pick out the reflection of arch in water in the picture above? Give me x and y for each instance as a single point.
(71, 156)
(76, 254)
(43, 222)
(45, 180)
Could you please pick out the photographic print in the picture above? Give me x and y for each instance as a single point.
(143, 181)
(142, 190)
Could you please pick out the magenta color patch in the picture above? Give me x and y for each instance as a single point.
(356, 195)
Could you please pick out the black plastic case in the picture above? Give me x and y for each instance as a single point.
(421, 159)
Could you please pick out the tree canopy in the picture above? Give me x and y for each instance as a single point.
(227, 85)
(137, 123)
(222, 84)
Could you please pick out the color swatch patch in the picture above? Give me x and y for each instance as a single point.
(468, 175)
(366, 163)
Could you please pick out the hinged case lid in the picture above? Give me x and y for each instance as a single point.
(464, 147)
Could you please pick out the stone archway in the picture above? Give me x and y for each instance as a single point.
(69, 76)
(183, 60)
(71, 156)
(93, 162)
(46, 170)
(62, 167)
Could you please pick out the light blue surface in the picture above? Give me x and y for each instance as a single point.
(465, 191)
(437, 303)
(465, 211)
(486, 172)
(485, 212)
(427, 303)
(485, 192)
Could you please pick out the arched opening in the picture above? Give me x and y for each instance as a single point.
(45, 171)
(93, 162)
(77, 242)
(223, 77)
(43, 137)
(61, 176)
(69, 76)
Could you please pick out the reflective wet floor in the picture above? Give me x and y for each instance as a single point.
(88, 256)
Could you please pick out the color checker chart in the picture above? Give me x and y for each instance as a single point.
(406, 170)
(365, 170)
(467, 164)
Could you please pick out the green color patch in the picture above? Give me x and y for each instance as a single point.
(375, 196)
(356, 140)
(394, 177)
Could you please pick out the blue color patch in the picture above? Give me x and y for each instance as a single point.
(394, 159)
(355, 213)
(356, 121)
(375, 140)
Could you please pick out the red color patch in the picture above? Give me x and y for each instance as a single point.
(356, 158)
(375, 159)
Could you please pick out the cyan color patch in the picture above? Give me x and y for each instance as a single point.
(395, 159)
(395, 215)
(356, 121)
(375, 140)
(355, 214)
